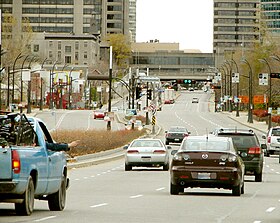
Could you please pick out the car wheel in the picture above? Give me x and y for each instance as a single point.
(27, 206)
(236, 190)
(127, 167)
(267, 153)
(258, 177)
(174, 190)
(57, 200)
(166, 142)
(166, 167)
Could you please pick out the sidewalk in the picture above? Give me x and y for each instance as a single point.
(242, 119)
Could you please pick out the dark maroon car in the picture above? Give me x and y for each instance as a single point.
(207, 162)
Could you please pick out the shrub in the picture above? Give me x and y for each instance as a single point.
(95, 140)
(260, 113)
(276, 118)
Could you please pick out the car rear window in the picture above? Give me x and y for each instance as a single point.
(205, 146)
(275, 132)
(146, 143)
(177, 130)
(243, 141)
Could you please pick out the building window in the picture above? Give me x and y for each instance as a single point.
(59, 45)
(59, 55)
(76, 45)
(50, 54)
(85, 55)
(36, 48)
(76, 56)
(67, 59)
(85, 44)
(50, 44)
(67, 49)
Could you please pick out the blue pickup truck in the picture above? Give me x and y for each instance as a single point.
(28, 169)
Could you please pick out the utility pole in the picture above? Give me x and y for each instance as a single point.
(110, 85)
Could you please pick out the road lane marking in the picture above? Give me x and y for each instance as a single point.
(272, 169)
(44, 219)
(136, 196)
(161, 188)
(257, 221)
(278, 172)
(99, 205)
(269, 210)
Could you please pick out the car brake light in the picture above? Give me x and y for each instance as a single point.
(186, 135)
(15, 162)
(160, 151)
(133, 151)
(268, 139)
(254, 150)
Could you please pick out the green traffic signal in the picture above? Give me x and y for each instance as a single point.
(187, 81)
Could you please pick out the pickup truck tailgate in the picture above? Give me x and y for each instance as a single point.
(5, 163)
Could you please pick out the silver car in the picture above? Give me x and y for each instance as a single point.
(146, 152)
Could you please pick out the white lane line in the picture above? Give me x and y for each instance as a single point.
(44, 219)
(278, 172)
(92, 176)
(269, 210)
(99, 205)
(161, 188)
(257, 221)
(272, 169)
(136, 196)
(77, 179)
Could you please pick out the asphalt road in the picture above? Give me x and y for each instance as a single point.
(107, 193)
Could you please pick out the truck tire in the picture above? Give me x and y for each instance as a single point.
(27, 206)
(258, 177)
(57, 200)
(236, 190)
(174, 189)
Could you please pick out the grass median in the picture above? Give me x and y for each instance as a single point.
(94, 141)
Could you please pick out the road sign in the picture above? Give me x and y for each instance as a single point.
(263, 79)
(153, 120)
(275, 75)
(235, 78)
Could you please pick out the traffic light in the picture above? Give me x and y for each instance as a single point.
(138, 92)
(187, 81)
(275, 75)
(149, 94)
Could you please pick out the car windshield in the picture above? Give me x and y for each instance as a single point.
(177, 129)
(275, 132)
(146, 143)
(203, 145)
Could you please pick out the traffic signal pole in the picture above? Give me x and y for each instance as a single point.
(147, 104)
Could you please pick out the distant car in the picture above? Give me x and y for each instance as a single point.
(249, 148)
(207, 162)
(99, 114)
(272, 140)
(191, 89)
(148, 153)
(195, 100)
(176, 134)
(137, 125)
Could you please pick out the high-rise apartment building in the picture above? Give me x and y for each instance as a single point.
(132, 19)
(271, 14)
(236, 23)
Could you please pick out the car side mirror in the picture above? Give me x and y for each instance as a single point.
(165, 131)
(169, 147)
(125, 147)
(189, 132)
(263, 136)
(173, 152)
(263, 146)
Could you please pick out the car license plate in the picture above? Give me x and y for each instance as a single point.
(177, 139)
(203, 176)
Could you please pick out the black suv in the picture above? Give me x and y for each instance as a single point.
(248, 146)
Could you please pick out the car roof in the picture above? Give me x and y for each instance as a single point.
(234, 131)
(208, 138)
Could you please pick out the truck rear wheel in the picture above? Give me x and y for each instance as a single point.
(27, 206)
(57, 200)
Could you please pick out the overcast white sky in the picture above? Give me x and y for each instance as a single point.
(188, 22)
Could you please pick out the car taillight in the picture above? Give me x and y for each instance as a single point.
(268, 139)
(15, 162)
(230, 158)
(133, 151)
(254, 150)
(159, 151)
(186, 135)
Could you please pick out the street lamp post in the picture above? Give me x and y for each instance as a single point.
(70, 88)
(21, 82)
(230, 85)
(226, 86)
(13, 77)
(269, 86)
(237, 90)
(250, 107)
(110, 85)
(51, 87)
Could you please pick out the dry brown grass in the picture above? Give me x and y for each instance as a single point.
(95, 140)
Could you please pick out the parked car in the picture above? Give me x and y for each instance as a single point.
(272, 140)
(207, 162)
(176, 134)
(99, 114)
(249, 148)
(146, 152)
(195, 100)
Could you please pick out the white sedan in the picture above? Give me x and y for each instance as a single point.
(147, 152)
